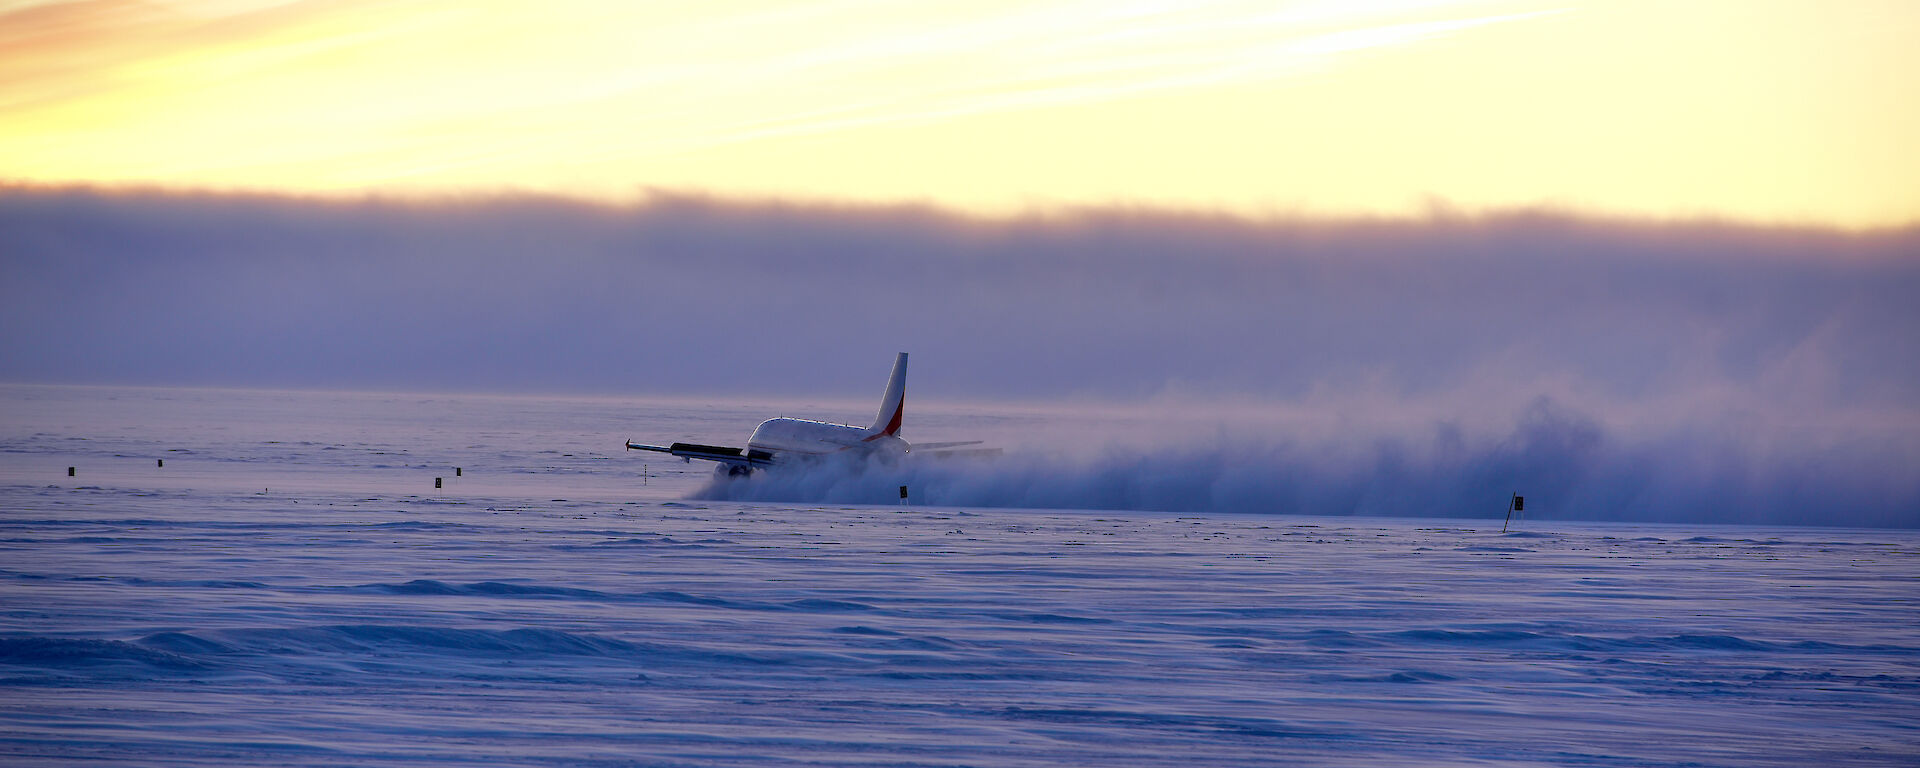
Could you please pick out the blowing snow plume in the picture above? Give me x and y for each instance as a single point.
(1573, 467)
(1711, 370)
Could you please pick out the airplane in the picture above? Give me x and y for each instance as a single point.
(788, 441)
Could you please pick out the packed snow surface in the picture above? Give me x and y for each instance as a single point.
(290, 589)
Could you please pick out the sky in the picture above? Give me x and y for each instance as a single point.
(1764, 111)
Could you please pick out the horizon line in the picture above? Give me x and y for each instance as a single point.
(1432, 209)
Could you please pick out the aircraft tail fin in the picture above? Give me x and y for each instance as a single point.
(893, 404)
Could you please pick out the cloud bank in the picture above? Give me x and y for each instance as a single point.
(1737, 367)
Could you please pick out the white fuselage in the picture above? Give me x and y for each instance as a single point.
(800, 437)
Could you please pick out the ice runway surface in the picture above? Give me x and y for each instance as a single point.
(290, 590)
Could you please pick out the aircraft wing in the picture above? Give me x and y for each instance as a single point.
(732, 457)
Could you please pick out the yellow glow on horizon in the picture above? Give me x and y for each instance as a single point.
(1782, 110)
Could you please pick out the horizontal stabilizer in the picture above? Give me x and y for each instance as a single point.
(943, 446)
(962, 453)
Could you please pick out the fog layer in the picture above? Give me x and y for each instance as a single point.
(1622, 364)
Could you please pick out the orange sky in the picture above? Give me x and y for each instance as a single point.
(1751, 109)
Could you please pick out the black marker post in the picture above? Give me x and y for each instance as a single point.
(1515, 504)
